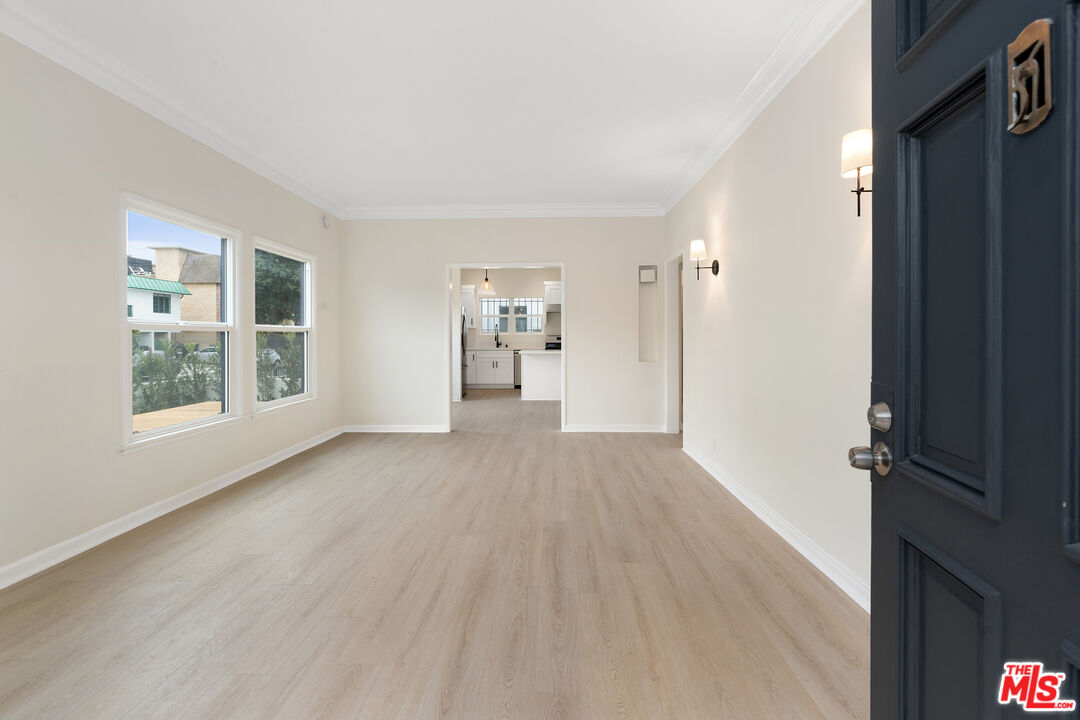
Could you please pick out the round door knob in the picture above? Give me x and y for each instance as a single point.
(861, 457)
(879, 458)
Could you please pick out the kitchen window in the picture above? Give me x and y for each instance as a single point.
(528, 315)
(494, 313)
(519, 315)
(284, 292)
(179, 274)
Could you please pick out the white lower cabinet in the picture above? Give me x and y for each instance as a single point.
(504, 370)
(491, 367)
(470, 368)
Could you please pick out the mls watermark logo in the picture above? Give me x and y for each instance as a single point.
(1028, 686)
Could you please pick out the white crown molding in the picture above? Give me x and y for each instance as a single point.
(807, 35)
(853, 586)
(43, 35)
(450, 212)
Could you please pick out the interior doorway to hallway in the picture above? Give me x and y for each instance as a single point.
(505, 325)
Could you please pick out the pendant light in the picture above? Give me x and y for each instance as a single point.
(486, 288)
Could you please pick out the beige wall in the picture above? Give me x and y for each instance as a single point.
(394, 336)
(168, 262)
(69, 150)
(203, 304)
(778, 346)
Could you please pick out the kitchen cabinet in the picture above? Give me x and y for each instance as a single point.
(470, 367)
(504, 371)
(492, 367)
(541, 374)
(468, 301)
(552, 294)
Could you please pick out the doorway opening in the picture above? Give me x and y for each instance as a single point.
(505, 352)
(673, 343)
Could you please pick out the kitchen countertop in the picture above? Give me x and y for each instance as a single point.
(541, 352)
(503, 349)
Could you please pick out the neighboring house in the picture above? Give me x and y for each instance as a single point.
(200, 273)
(139, 266)
(154, 300)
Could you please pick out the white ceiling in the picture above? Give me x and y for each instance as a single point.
(421, 108)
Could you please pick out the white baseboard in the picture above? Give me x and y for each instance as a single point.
(56, 554)
(852, 585)
(397, 428)
(614, 428)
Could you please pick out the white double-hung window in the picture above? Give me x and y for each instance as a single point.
(180, 311)
(494, 313)
(528, 314)
(284, 324)
(518, 315)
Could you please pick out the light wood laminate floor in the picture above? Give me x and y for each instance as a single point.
(505, 570)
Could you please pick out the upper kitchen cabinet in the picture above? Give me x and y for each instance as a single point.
(468, 301)
(552, 295)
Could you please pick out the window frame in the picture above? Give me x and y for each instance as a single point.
(130, 440)
(165, 297)
(539, 316)
(310, 392)
(509, 314)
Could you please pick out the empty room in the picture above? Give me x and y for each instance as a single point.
(529, 360)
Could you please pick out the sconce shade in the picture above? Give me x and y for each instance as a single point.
(857, 153)
(697, 250)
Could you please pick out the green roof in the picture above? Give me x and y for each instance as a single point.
(148, 283)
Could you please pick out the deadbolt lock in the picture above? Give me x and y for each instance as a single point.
(879, 416)
(879, 458)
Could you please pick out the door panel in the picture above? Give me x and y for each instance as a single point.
(950, 618)
(1071, 665)
(950, 256)
(976, 348)
(918, 21)
(1070, 108)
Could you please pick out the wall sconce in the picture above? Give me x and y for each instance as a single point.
(856, 160)
(697, 254)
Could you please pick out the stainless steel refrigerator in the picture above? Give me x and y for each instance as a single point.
(464, 362)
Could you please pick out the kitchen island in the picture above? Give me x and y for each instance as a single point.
(541, 374)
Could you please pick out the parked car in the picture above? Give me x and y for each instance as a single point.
(144, 351)
(208, 354)
(272, 355)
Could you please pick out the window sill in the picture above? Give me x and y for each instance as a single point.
(264, 409)
(135, 443)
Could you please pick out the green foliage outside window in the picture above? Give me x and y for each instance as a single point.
(279, 365)
(279, 290)
(178, 375)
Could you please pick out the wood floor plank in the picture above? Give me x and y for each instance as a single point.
(505, 570)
